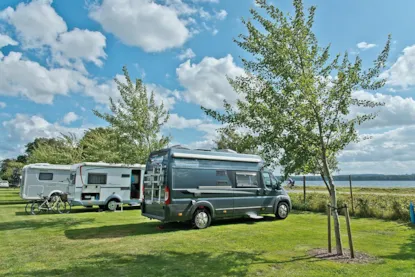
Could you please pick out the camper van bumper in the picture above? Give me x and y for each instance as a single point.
(170, 213)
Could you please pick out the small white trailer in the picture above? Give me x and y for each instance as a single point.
(45, 179)
(4, 184)
(106, 185)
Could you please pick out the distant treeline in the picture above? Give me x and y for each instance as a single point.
(362, 177)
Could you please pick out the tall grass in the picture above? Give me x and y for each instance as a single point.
(365, 205)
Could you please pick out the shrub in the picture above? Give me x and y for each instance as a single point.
(365, 205)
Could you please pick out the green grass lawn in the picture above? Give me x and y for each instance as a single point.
(127, 244)
(10, 195)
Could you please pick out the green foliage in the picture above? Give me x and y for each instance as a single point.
(384, 206)
(295, 98)
(136, 121)
(229, 138)
(63, 150)
(30, 147)
(10, 170)
(103, 144)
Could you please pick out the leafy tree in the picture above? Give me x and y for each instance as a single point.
(63, 150)
(229, 138)
(296, 99)
(32, 145)
(136, 120)
(8, 167)
(22, 159)
(103, 144)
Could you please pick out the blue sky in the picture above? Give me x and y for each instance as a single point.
(57, 61)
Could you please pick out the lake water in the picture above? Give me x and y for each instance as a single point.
(371, 184)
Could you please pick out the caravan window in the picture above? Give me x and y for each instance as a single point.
(246, 179)
(45, 176)
(97, 178)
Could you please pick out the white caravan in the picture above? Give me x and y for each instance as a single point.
(45, 179)
(4, 184)
(106, 185)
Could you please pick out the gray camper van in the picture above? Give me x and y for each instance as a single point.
(198, 186)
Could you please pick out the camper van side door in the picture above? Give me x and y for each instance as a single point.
(248, 192)
(269, 192)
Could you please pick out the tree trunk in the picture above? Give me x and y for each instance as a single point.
(334, 212)
(333, 197)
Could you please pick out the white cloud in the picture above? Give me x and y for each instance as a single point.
(39, 26)
(397, 111)
(6, 40)
(221, 15)
(163, 95)
(206, 83)
(39, 84)
(37, 23)
(394, 147)
(204, 14)
(180, 7)
(204, 126)
(70, 117)
(24, 128)
(2, 105)
(206, 1)
(101, 91)
(402, 72)
(364, 45)
(142, 23)
(186, 54)
(82, 44)
(179, 122)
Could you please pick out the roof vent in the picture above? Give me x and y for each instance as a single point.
(201, 149)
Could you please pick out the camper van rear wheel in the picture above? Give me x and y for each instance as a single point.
(201, 219)
(112, 204)
(282, 210)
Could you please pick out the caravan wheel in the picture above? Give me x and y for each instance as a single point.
(112, 205)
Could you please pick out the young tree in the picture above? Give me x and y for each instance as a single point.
(296, 99)
(136, 120)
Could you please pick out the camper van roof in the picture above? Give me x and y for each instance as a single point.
(48, 166)
(214, 155)
(99, 164)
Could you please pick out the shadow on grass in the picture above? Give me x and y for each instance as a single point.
(407, 250)
(165, 263)
(74, 211)
(35, 224)
(146, 228)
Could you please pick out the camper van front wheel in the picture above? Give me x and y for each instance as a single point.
(112, 205)
(282, 210)
(201, 219)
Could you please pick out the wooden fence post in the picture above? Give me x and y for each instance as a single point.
(349, 231)
(304, 190)
(329, 227)
(351, 192)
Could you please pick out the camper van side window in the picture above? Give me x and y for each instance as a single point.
(45, 176)
(246, 179)
(97, 178)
